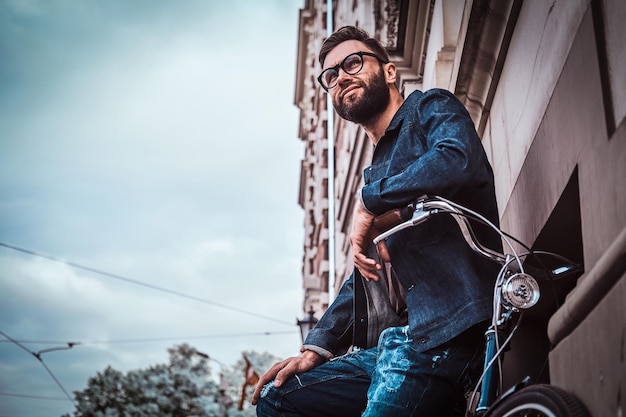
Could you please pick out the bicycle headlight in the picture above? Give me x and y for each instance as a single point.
(520, 291)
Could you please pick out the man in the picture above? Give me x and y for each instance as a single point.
(425, 144)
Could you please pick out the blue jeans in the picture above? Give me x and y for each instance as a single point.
(392, 379)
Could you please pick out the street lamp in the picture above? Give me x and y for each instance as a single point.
(224, 401)
(307, 324)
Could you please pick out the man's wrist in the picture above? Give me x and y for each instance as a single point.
(321, 352)
(363, 206)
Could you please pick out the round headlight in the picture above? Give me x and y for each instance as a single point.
(520, 291)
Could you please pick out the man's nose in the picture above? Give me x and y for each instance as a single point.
(343, 77)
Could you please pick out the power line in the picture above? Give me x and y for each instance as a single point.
(140, 283)
(152, 339)
(36, 397)
(38, 356)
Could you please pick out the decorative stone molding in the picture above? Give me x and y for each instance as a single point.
(488, 33)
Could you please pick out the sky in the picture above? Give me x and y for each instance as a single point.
(150, 148)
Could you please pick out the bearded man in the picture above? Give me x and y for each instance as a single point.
(404, 336)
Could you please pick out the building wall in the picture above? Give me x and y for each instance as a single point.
(314, 176)
(351, 148)
(546, 87)
(556, 128)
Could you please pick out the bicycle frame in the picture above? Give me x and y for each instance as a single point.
(514, 291)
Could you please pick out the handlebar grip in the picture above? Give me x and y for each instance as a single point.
(417, 217)
(393, 217)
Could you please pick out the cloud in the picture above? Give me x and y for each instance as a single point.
(155, 141)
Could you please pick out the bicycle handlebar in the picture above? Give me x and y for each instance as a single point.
(426, 206)
(429, 205)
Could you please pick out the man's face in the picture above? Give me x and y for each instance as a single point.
(361, 97)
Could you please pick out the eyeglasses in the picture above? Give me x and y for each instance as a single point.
(351, 65)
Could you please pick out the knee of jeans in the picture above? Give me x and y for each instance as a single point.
(266, 390)
(267, 405)
(265, 409)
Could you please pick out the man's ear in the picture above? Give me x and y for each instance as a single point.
(390, 72)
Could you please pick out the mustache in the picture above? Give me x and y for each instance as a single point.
(354, 83)
(351, 85)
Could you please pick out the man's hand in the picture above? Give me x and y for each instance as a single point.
(282, 370)
(361, 238)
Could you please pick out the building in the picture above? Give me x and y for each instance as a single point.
(545, 84)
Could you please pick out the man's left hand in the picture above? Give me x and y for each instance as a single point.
(360, 239)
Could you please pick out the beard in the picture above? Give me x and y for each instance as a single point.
(369, 105)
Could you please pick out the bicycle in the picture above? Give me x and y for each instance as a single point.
(515, 291)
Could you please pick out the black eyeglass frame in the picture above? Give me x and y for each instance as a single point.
(341, 65)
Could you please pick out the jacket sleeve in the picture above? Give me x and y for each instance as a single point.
(332, 335)
(453, 157)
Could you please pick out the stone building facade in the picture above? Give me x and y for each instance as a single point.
(545, 84)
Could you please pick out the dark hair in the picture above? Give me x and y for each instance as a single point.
(348, 33)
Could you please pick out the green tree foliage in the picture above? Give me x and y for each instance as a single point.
(184, 387)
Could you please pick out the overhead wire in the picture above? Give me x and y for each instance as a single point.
(37, 355)
(36, 397)
(140, 283)
(150, 339)
(69, 345)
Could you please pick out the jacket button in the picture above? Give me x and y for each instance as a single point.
(422, 340)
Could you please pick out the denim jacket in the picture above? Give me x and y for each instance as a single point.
(430, 147)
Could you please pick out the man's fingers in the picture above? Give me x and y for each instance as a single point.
(367, 266)
(257, 392)
(267, 377)
(284, 373)
(283, 370)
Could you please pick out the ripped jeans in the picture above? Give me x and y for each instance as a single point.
(392, 379)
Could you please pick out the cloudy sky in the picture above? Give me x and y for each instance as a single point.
(155, 141)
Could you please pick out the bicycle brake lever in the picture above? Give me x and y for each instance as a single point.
(419, 215)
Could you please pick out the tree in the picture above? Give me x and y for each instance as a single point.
(184, 387)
